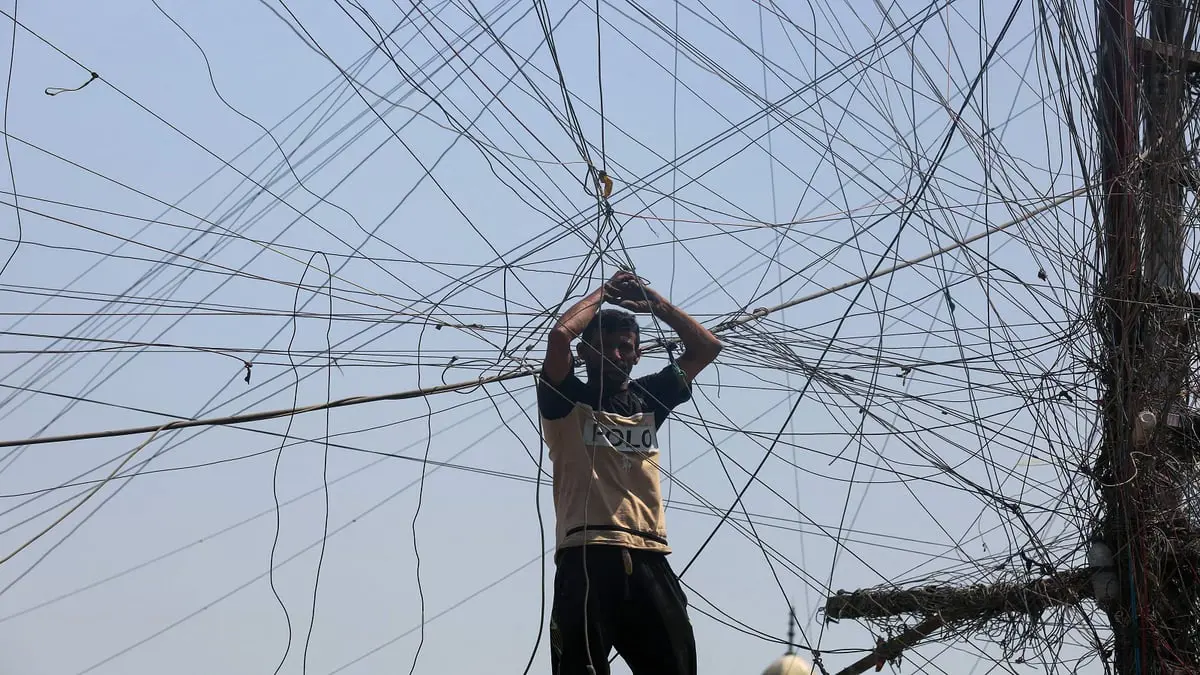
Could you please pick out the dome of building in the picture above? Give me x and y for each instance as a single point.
(789, 664)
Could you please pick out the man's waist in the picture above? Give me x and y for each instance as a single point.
(651, 536)
(603, 552)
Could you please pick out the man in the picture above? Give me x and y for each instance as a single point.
(613, 586)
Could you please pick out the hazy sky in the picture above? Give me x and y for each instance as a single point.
(162, 230)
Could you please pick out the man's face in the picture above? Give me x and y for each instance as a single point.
(610, 356)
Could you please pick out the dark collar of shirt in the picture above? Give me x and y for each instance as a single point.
(657, 393)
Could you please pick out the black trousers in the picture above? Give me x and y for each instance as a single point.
(634, 604)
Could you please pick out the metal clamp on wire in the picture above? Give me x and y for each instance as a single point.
(608, 183)
(603, 185)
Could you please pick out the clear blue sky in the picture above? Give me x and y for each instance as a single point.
(146, 186)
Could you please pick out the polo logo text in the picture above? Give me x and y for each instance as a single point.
(641, 438)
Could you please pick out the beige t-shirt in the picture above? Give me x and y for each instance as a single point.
(606, 465)
(606, 477)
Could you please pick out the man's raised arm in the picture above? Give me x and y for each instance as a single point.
(558, 362)
(700, 346)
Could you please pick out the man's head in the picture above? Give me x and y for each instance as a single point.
(609, 346)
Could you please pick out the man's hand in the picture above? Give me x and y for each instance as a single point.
(628, 291)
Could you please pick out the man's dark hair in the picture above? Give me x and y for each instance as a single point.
(610, 320)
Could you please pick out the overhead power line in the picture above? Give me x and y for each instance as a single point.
(528, 369)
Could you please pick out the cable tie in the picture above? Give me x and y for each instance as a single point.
(55, 91)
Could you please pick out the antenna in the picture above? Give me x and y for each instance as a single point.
(791, 630)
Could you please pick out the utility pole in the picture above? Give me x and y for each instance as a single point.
(1144, 559)
(1148, 450)
(1118, 314)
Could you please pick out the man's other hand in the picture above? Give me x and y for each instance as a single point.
(628, 291)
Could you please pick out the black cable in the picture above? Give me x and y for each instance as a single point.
(325, 469)
(12, 174)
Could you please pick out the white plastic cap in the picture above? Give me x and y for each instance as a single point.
(789, 664)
